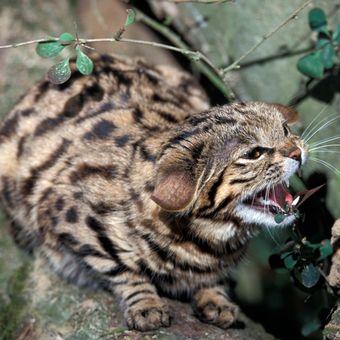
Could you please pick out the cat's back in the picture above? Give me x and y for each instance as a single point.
(88, 118)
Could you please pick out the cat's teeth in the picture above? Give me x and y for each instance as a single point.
(287, 182)
(296, 201)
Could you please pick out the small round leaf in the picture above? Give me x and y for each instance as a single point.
(66, 38)
(327, 56)
(325, 249)
(311, 66)
(310, 327)
(317, 19)
(290, 262)
(309, 276)
(336, 35)
(279, 218)
(60, 72)
(131, 17)
(84, 63)
(49, 49)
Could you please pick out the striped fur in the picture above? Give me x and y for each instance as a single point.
(121, 184)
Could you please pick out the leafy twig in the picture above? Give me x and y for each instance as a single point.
(292, 16)
(30, 42)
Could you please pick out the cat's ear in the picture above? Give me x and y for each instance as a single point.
(289, 113)
(175, 189)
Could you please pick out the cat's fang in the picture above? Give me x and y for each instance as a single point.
(273, 200)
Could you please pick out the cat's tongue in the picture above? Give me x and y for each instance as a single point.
(280, 196)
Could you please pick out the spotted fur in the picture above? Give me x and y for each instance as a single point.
(120, 182)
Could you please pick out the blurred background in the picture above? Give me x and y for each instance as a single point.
(223, 32)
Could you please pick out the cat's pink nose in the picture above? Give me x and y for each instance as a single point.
(295, 153)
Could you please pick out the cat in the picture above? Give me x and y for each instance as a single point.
(127, 180)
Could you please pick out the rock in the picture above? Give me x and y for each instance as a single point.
(332, 329)
(50, 308)
(334, 274)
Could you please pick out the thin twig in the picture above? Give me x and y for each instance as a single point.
(30, 42)
(292, 16)
(215, 77)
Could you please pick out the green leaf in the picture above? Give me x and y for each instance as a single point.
(336, 35)
(321, 42)
(327, 56)
(84, 63)
(131, 16)
(309, 276)
(49, 49)
(290, 262)
(60, 72)
(311, 66)
(66, 38)
(325, 249)
(317, 19)
(310, 327)
(279, 218)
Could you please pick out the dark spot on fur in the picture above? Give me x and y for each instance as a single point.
(101, 130)
(71, 215)
(47, 125)
(59, 204)
(73, 106)
(105, 107)
(167, 117)
(84, 171)
(78, 195)
(20, 149)
(9, 127)
(146, 155)
(95, 91)
(137, 115)
(122, 140)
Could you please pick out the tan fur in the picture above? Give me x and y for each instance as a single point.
(121, 184)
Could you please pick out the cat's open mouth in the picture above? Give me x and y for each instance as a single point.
(274, 200)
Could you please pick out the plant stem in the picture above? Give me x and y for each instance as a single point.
(215, 77)
(30, 42)
(292, 16)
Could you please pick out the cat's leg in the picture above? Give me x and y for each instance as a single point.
(143, 309)
(212, 305)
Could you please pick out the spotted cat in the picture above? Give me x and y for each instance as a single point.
(126, 180)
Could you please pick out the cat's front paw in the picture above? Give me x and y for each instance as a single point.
(148, 315)
(212, 306)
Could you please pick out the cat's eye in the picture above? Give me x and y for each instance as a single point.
(286, 129)
(254, 153)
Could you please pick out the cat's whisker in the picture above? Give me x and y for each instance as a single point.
(318, 124)
(324, 147)
(325, 151)
(311, 123)
(326, 164)
(322, 127)
(330, 139)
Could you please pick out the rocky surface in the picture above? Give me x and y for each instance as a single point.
(332, 329)
(36, 305)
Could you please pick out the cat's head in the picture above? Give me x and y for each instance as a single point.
(231, 162)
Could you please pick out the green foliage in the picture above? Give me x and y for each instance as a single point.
(49, 49)
(83, 62)
(131, 17)
(60, 72)
(323, 57)
(305, 262)
(317, 19)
